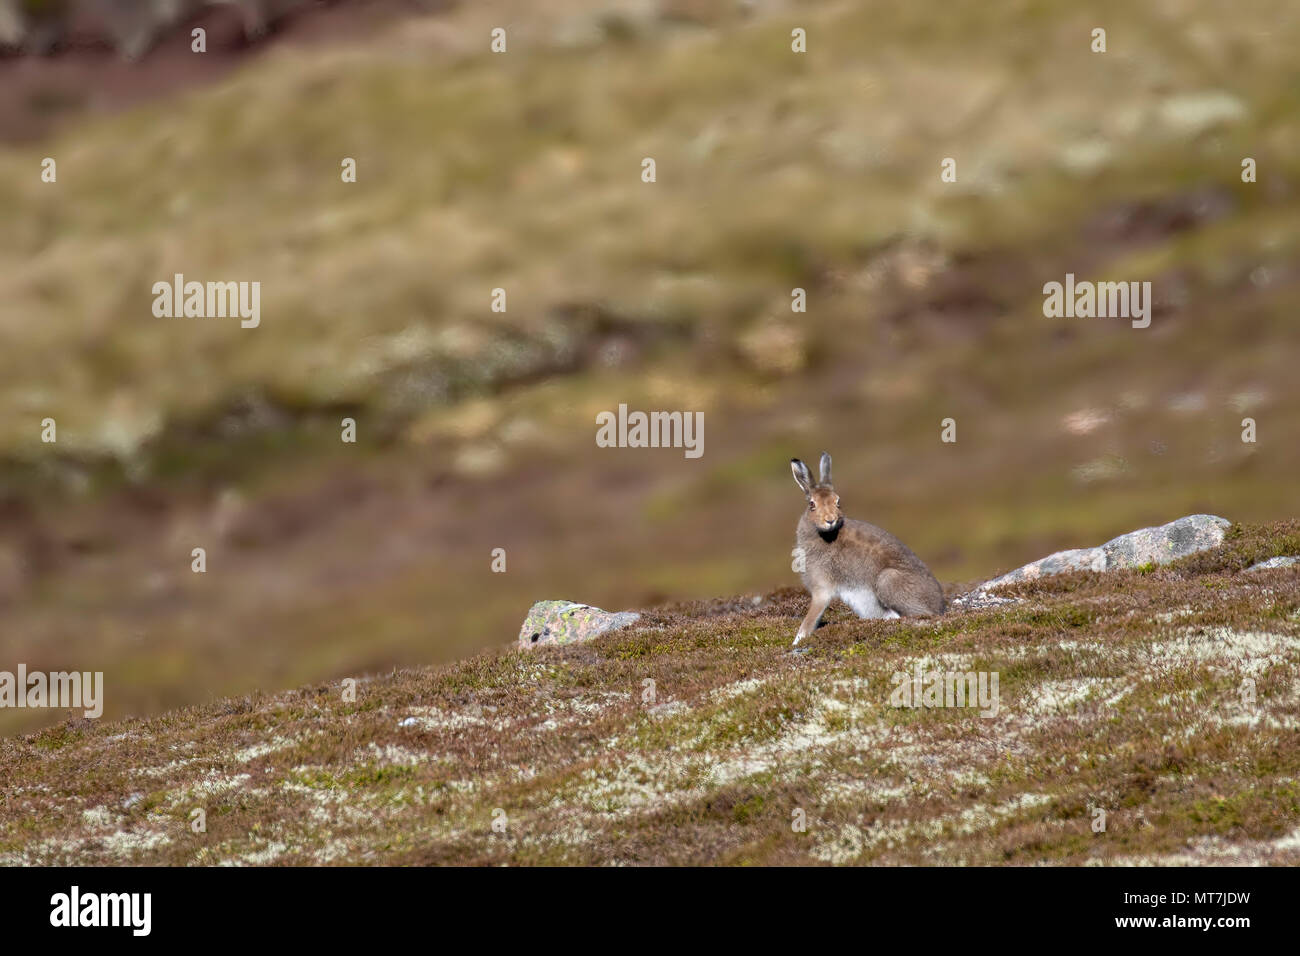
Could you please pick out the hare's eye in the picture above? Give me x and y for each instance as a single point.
(812, 506)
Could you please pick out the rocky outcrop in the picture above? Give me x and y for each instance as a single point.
(1160, 545)
(565, 622)
(1279, 562)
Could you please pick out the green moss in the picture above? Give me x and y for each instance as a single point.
(1244, 545)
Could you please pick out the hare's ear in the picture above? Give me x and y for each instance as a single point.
(826, 468)
(802, 476)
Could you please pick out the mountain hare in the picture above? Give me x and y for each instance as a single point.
(864, 566)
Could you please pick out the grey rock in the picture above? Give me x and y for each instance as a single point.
(1159, 545)
(565, 622)
(979, 600)
(1280, 562)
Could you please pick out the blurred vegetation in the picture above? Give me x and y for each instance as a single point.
(522, 171)
(1123, 690)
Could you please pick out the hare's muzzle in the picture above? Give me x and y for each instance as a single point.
(829, 526)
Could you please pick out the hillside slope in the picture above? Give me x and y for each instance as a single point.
(521, 171)
(1120, 692)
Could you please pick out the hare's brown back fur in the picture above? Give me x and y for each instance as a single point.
(861, 552)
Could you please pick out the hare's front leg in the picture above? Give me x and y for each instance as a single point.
(820, 601)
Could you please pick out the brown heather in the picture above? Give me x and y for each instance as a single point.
(1119, 691)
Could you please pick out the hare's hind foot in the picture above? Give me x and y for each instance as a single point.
(909, 594)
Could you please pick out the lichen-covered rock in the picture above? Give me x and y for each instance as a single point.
(1160, 545)
(979, 600)
(1280, 562)
(564, 622)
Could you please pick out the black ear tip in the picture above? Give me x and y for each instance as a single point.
(794, 461)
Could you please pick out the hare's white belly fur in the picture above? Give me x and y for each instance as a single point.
(864, 602)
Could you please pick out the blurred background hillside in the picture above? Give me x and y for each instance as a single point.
(522, 171)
